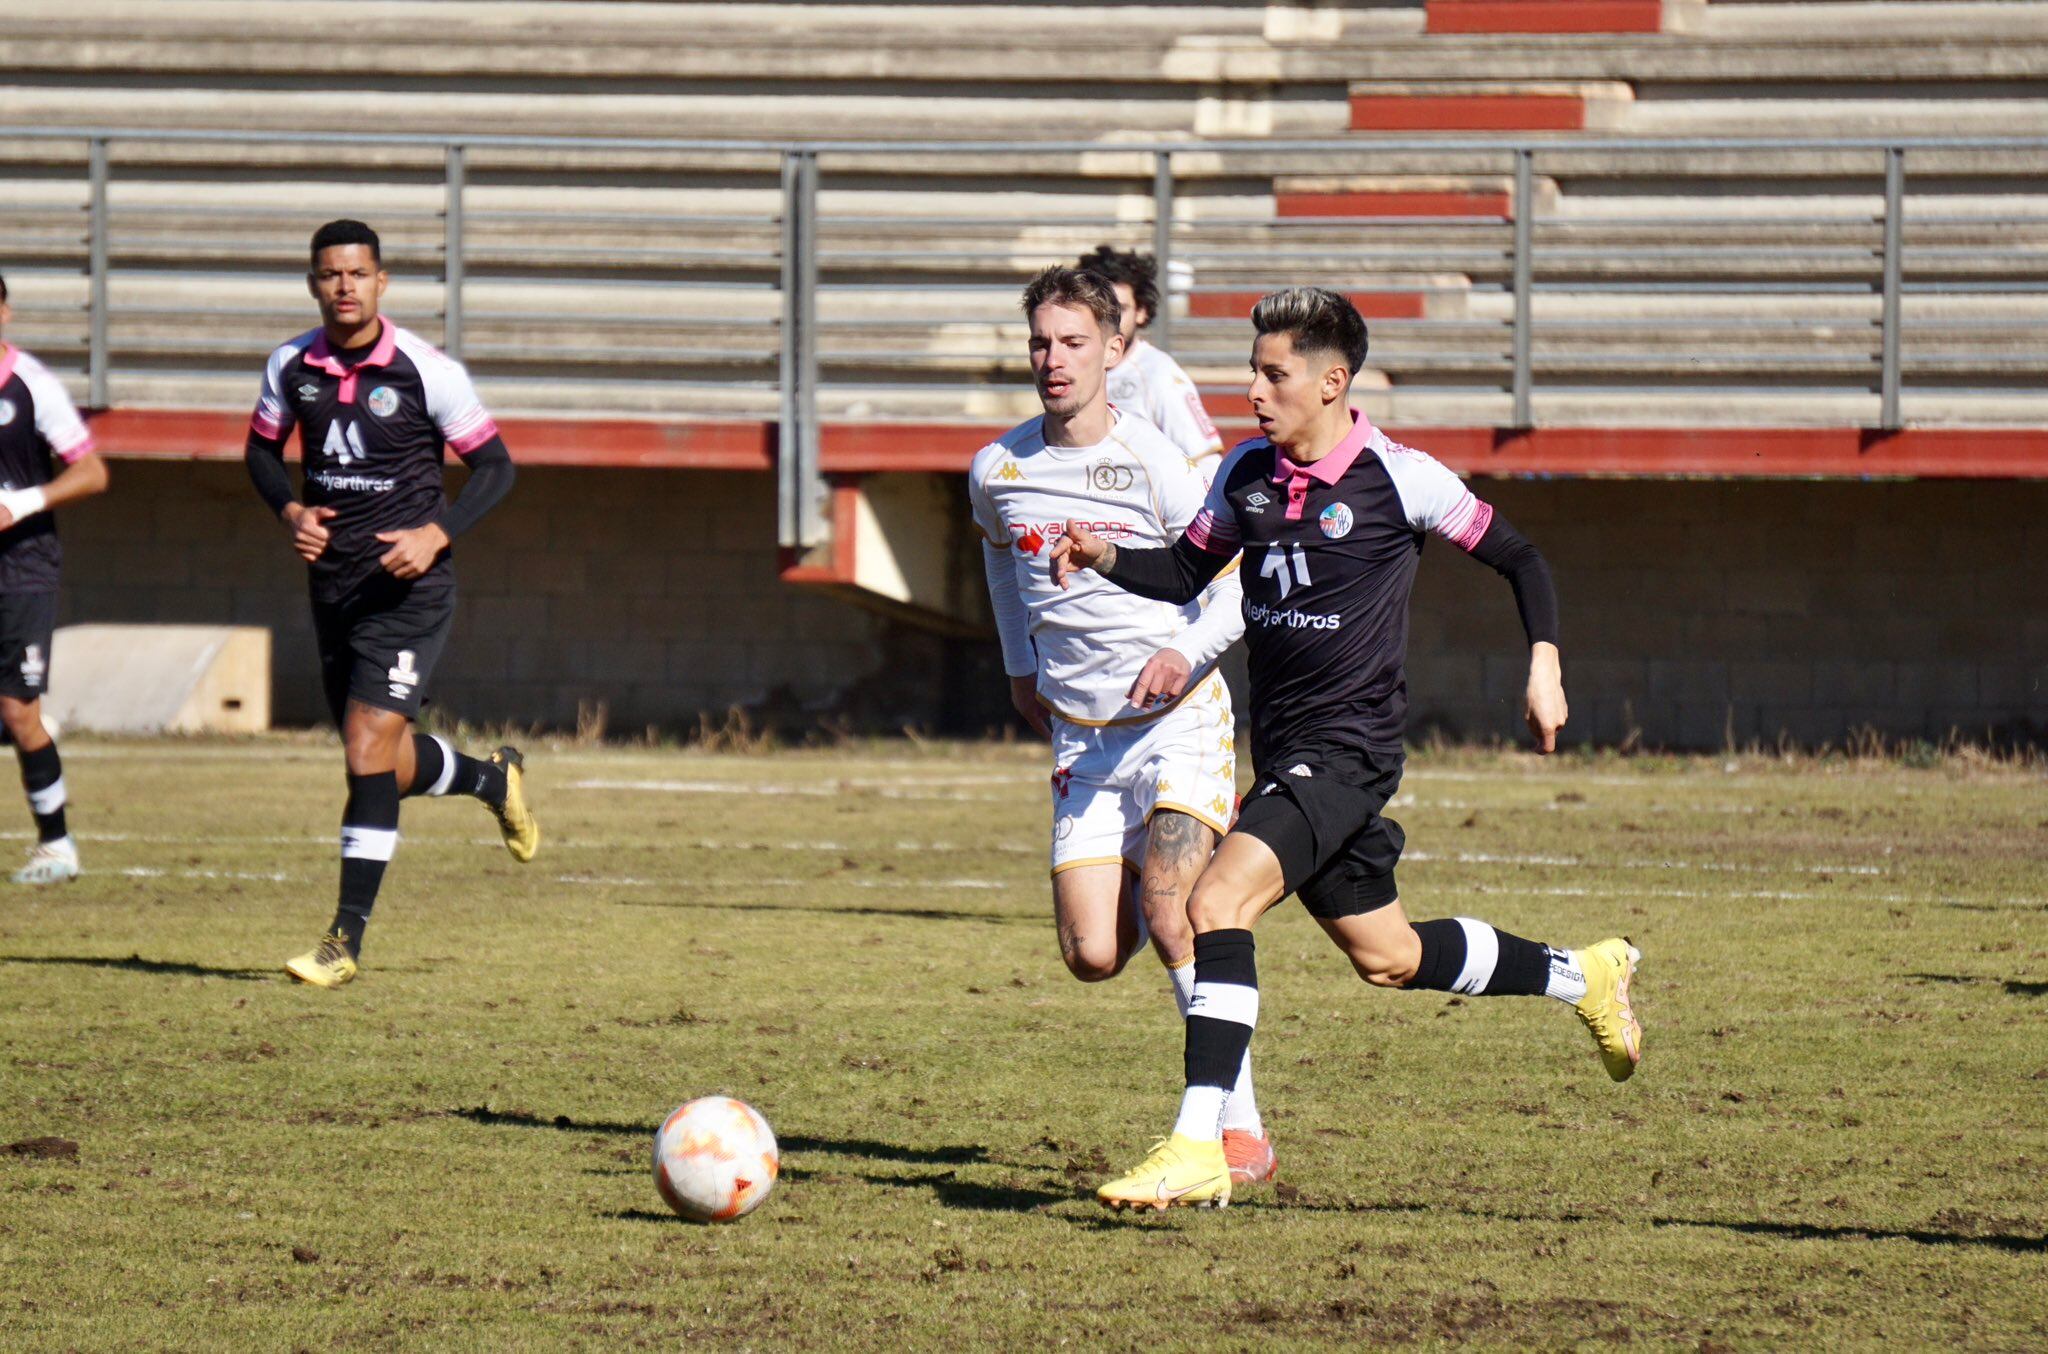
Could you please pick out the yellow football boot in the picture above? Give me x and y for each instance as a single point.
(515, 820)
(327, 964)
(1605, 1008)
(1180, 1173)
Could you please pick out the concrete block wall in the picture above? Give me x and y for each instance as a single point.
(1690, 608)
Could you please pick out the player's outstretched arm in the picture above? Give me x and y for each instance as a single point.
(82, 478)
(1176, 573)
(1508, 553)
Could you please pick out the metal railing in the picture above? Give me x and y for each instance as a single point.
(814, 257)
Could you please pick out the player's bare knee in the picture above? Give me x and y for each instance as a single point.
(1092, 961)
(1219, 908)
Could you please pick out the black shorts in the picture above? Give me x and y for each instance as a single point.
(379, 644)
(27, 622)
(1336, 848)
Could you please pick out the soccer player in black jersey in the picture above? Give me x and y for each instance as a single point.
(1331, 514)
(46, 459)
(375, 406)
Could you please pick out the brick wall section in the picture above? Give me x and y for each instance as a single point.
(653, 591)
(1808, 608)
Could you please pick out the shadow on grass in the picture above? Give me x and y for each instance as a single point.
(135, 963)
(864, 1149)
(2014, 987)
(901, 913)
(1809, 1231)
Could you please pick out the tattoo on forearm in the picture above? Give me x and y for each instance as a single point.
(1108, 560)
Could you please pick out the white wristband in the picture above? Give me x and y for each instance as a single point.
(23, 504)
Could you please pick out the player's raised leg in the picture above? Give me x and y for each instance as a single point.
(430, 765)
(54, 858)
(1475, 959)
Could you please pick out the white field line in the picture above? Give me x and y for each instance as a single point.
(144, 872)
(627, 881)
(836, 790)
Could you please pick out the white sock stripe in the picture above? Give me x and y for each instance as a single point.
(49, 799)
(1183, 980)
(368, 843)
(1482, 952)
(447, 776)
(1226, 1001)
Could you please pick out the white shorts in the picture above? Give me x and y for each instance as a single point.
(1108, 782)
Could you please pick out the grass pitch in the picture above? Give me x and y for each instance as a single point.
(1839, 1136)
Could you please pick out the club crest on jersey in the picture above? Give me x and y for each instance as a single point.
(1063, 827)
(383, 401)
(1335, 521)
(7, 412)
(1110, 477)
(1062, 780)
(33, 665)
(1010, 473)
(404, 676)
(1030, 542)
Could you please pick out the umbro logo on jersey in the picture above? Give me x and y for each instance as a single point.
(33, 665)
(1256, 502)
(1010, 473)
(308, 392)
(404, 676)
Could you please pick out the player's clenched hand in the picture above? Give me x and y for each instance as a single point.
(1078, 549)
(413, 550)
(1024, 696)
(309, 530)
(1543, 706)
(1162, 679)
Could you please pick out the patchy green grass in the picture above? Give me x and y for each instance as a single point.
(1839, 1137)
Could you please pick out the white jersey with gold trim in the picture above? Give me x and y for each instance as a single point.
(1089, 641)
(1152, 385)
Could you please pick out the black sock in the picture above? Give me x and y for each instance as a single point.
(1220, 1019)
(438, 769)
(1463, 955)
(42, 775)
(369, 834)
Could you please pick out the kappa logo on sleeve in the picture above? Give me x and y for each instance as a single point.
(1011, 473)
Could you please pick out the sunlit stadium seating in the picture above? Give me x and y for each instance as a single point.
(644, 283)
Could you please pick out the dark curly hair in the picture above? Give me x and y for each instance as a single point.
(1136, 271)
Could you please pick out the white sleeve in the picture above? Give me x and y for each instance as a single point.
(57, 420)
(1183, 419)
(454, 407)
(1221, 622)
(1180, 491)
(1013, 623)
(1434, 499)
(274, 417)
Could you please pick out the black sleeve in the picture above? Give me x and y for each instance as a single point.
(1177, 573)
(264, 460)
(1510, 555)
(490, 479)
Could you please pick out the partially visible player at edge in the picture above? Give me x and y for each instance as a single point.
(1144, 749)
(39, 430)
(1331, 514)
(375, 405)
(1143, 379)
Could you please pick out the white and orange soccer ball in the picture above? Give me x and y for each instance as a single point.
(715, 1159)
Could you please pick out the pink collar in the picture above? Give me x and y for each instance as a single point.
(321, 356)
(8, 353)
(1328, 470)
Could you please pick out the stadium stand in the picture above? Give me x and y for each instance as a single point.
(1705, 296)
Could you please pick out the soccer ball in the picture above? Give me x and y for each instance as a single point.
(715, 1159)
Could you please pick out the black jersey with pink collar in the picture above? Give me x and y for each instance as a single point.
(373, 424)
(1330, 551)
(39, 427)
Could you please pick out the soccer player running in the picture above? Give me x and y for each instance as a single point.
(375, 405)
(1144, 751)
(46, 460)
(1330, 514)
(1143, 379)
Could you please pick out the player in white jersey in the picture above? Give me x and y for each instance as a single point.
(1144, 749)
(1144, 379)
